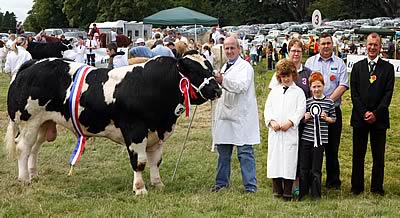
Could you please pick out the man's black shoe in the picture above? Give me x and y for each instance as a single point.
(378, 192)
(356, 192)
(217, 188)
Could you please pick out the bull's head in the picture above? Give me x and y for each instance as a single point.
(200, 73)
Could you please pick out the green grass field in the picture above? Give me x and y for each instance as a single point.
(102, 184)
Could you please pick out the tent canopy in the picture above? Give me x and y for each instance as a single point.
(180, 16)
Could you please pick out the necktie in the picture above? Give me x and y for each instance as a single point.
(371, 67)
(285, 88)
(228, 65)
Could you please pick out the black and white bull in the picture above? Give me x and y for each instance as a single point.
(137, 105)
(46, 50)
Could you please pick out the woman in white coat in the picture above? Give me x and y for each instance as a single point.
(17, 56)
(284, 109)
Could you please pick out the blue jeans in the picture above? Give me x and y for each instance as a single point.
(247, 165)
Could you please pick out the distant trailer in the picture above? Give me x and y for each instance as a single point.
(132, 29)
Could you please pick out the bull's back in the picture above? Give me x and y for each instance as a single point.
(40, 86)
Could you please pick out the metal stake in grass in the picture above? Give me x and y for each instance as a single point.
(184, 144)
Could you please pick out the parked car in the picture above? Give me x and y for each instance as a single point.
(258, 40)
(322, 29)
(27, 33)
(271, 26)
(197, 30)
(285, 25)
(378, 20)
(75, 35)
(263, 31)
(230, 28)
(293, 28)
(274, 33)
(306, 27)
(359, 22)
(340, 24)
(338, 34)
(347, 33)
(388, 24)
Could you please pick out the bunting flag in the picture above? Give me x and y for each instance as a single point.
(316, 111)
(188, 92)
(74, 97)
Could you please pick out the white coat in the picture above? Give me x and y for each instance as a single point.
(236, 113)
(81, 53)
(283, 146)
(120, 61)
(14, 61)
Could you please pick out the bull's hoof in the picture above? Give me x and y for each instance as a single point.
(159, 185)
(34, 178)
(24, 181)
(140, 192)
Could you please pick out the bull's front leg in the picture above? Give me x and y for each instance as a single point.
(154, 153)
(138, 158)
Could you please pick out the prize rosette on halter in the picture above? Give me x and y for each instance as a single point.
(187, 91)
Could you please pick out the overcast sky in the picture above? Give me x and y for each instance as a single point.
(19, 7)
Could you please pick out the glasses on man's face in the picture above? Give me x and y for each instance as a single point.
(295, 51)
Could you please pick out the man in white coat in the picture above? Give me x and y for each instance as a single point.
(236, 117)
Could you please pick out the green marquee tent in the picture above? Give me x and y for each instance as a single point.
(180, 16)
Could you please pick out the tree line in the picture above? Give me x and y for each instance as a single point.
(80, 13)
(8, 21)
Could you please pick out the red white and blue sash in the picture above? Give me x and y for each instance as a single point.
(74, 97)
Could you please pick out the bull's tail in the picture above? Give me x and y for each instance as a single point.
(10, 140)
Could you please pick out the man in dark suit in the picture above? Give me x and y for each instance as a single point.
(372, 83)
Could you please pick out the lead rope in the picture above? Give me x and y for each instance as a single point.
(184, 144)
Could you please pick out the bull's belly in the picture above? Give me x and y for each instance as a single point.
(110, 131)
(115, 135)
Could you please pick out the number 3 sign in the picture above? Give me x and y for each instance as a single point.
(316, 18)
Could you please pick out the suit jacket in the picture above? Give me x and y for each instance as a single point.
(375, 96)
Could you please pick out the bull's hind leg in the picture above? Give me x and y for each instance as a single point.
(47, 132)
(154, 155)
(24, 147)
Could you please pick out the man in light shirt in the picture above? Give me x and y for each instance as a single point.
(336, 83)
